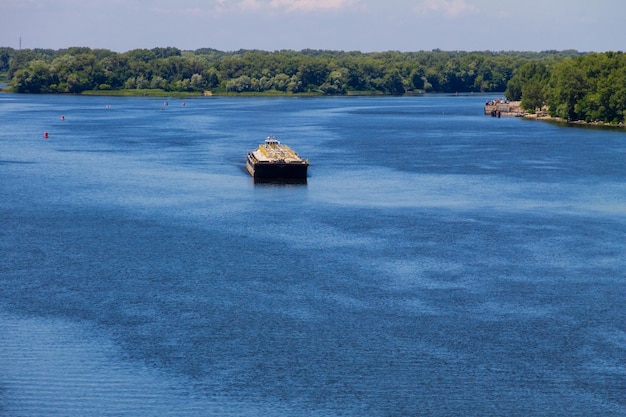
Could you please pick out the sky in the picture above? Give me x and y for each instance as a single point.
(347, 25)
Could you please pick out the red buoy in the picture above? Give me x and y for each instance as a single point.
(45, 135)
(62, 117)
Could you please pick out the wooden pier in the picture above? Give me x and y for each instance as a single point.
(497, 108)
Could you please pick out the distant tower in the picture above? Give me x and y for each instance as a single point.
(20, 43)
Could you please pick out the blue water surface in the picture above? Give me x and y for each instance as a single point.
(437, 262)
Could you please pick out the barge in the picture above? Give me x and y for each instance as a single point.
(275, 161)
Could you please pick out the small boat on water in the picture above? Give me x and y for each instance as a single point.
(275, 161)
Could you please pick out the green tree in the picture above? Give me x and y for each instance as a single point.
(312, 73)
(295, 84)
(5, 57)
(197, 82)
(532, 71)
(281, 82)
(567, 86)
(158, 82)
(533, 97)
(239, 84)
(394, 83)
(36, 78)
(211, 77)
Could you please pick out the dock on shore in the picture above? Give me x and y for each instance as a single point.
(502, 107)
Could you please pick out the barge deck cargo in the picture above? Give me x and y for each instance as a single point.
(273, 160)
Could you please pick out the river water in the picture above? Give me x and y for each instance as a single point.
(437, 262)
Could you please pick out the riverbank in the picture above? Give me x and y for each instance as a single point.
(544, 116)
(502, 107)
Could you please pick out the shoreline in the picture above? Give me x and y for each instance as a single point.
(497, 108)
(209, 93)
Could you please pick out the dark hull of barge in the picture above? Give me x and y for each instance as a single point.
(264, 171)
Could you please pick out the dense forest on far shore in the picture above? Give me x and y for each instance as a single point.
(80, 69)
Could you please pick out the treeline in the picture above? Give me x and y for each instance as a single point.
(590, 88)
(79, 69)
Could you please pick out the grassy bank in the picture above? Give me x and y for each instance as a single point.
(180, 94)
(140, 93)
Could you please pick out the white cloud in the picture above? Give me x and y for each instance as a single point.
(283, 5)
(447, 8)
(309, 5)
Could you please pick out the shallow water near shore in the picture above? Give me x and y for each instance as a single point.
(437, 261)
